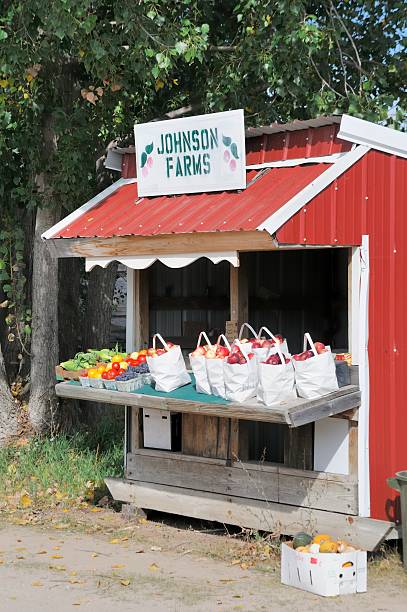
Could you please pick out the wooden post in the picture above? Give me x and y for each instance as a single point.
(298, 447)
(239, 296)
(141, 309)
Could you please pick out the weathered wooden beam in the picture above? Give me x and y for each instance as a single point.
(239, 296)
(255, 481)
(295, 413)
(255, 514)
(299, 447)
(166, 244)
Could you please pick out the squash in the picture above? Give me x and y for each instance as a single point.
(322, 537)
(301, 539)
(328, 547)
(303, 549)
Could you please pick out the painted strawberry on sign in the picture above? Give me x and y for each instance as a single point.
(146, 160)
(231, 153)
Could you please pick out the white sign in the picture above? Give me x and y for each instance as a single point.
(195, 154)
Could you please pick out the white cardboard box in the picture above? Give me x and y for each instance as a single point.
(324, 573)
(157, 428)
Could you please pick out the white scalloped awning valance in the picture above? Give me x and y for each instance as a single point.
(177, 260)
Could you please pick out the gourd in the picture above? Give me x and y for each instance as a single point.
(301, 539)
(328, 547)
(322, 537)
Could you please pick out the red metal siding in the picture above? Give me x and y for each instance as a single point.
(371, 199)
(296, 144)
(123, 213)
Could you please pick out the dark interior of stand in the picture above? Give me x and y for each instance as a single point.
(290, 291)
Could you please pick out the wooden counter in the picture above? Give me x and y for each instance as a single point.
(295, 413)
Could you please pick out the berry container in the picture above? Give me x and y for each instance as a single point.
(110, 385)
(129, 385)
(85, 381)
(147, 379)
(96, 383)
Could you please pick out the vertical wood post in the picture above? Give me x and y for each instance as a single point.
(137, 317)
(239, 296)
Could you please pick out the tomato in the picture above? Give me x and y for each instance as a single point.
(101, 369)
(117, 359)
(133, 362)
(142, 352)
(141, 358)
(119, 372)
(115, 366)
(105, 375)
(85, 373)
(92, 373)
(111, 375)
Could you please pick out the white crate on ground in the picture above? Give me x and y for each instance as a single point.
(327, 574)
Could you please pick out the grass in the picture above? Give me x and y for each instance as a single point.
(61, 467)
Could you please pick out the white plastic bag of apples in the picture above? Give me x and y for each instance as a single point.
(240, 371)
(276, 379)
(263, 347)
(315, 372)
(215, 366)
(246, 344)
(167, 366)
(197, 360)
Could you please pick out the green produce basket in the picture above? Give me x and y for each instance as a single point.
(399, 483)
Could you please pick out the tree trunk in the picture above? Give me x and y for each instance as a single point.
(99, 306)
(69, 309)
(44, 344)
(8, 407)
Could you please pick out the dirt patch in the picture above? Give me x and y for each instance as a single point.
(94, 560)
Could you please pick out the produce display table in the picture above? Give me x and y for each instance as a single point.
(185, 399)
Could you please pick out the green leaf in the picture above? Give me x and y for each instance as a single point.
(226, 140)
(97, 49)
(3, 35)
(149, 148)
(233, 149)
(143, 159)
(7, 288)
(205, 28)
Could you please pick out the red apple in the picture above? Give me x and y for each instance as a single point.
(233, 358)
(257, 344)
(309, 354)
(170, 344)
(242, 360)
(320, 347)
(268, 343)
(280, 338)
(222, 351)
(161, 351)
(250, 355)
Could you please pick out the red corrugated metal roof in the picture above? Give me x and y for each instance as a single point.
(123, 213)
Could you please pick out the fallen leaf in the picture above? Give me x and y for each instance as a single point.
(76, 581)
(96, 509)
(156, 548)
(138, 551)
(124, 539)
(59, 496)
(73, 573)
(153, 567)
(57, 568)
(114, 541)
(56, 548)
(118, 565)
(25, 500)
(61, 526)
(125, 582)
(1, 561)
(20, 548)
(94, 555)
(42, 552)
(56, 557)
(20, 557)
(236, 562)
(237, 596)
(244, 566)
(37, 583)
